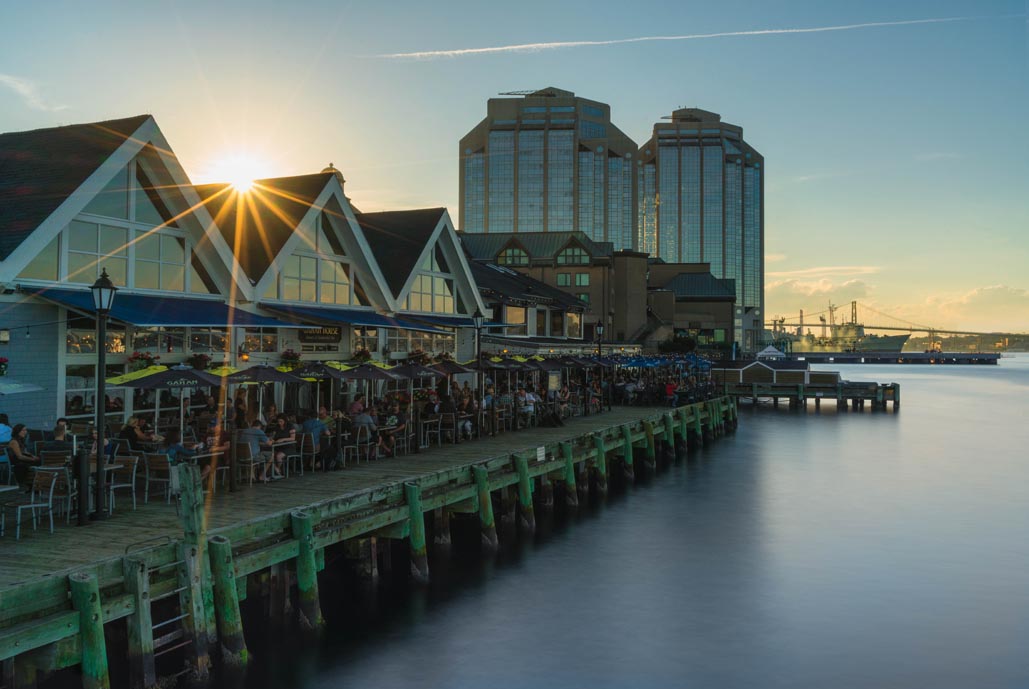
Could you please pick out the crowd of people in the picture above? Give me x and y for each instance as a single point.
(379, 425)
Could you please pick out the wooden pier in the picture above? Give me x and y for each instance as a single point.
(797, 395)
(172, 576)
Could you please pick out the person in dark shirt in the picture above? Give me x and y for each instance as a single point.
(395, 425)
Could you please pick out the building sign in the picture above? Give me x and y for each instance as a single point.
(327, 335)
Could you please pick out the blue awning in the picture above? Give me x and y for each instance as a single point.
(168, 312)
(360, 317)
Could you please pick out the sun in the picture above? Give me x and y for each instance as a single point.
(239, 170)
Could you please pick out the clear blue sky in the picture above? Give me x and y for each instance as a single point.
(897, 156)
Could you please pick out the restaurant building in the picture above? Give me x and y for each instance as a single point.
(208, 275)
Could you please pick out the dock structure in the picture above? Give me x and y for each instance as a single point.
(171, 579)
(797, 395)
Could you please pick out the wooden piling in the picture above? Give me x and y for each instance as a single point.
(419, 555)
(139, 625)
(441, 528)
(546, 494)
(630, 473)
(486, 522)
(307, 570)
(85, 598)
(191, 603)
(226, 597)
(601, 464)
(508, 508)
(528, 514)
(651, 447)
(571, 492)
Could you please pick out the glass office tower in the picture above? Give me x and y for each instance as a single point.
(547, 161)
(701, 200)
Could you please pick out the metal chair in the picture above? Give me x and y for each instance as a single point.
(157, 469)
(65, 489)
(307, 449)
(431, 429)
(52, 458)
(123, 478)
(39, 497)
(245, 460)
(6, 466)
(292, 457)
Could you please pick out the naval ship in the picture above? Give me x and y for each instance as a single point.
(837, 337)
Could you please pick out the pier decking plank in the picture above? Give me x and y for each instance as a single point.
(40, 554)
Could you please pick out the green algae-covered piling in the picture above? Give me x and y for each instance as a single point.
(307, 570)
(226, 599)
(486, 522)
(85, 597)
(419, 554)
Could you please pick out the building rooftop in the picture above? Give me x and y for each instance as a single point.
(539, 245)
(701, 286)
(397, 240)
(40, 169)
(258, 224)
(504, 284)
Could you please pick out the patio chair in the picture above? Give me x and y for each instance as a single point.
(54, 458)
(245, 460)
(448, 427)
(39, 498)
(157, 470)
(307, 449)
(6, 468)
(431, 429)
(404, 439)
(65, 490)
(366, 442)
(123, 478)
(293, 458)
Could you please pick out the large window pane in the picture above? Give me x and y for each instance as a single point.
(173, 277)
(82, 236)
(148, 246)
(113, 240)
(44, 266)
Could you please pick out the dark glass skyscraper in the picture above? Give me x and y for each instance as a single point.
(701, 200)
(548, 161)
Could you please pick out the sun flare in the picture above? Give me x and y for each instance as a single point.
(239, 170)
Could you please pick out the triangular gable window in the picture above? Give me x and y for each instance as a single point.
(113, 200)
(150, 209)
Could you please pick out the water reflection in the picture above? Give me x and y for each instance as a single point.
(808, 550)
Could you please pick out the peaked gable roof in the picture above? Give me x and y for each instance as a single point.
(397, 240)
(539, 245)
(40, 169)
(258, 223)
(506, 284)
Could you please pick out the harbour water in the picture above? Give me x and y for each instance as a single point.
(851, 550)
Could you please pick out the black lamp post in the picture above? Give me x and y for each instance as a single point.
(600, 351)
(477, 320)
(103, 299)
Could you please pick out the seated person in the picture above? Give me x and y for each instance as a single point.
(61, 442)
(396, 422)
(173, 447)
(5, 429)
(134, 435)
(364, 420)
(466, 409)
(260, 450)
(17, 451)
(281, 431)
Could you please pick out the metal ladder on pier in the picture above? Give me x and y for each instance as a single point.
(182, 626)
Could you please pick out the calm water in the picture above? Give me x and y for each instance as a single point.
(859, 550)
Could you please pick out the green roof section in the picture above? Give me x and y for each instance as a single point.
(701, 286)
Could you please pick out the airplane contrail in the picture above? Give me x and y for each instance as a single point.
(557, 45)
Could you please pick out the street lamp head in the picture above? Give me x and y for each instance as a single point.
(478, 319)
(103, 292)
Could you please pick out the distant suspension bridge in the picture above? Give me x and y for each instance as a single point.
(826, 322)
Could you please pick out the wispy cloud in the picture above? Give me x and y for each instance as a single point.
(29, 93)
(558, 45)
(824, 271)
(774, 258)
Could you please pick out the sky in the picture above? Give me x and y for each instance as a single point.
(894, 133)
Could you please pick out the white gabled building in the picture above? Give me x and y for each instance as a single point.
(207, 269)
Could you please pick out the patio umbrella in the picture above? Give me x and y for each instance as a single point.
(318, 372)
(368, 372)
(134, 375)
(9, 386)
(261, 374)
(175, 378)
